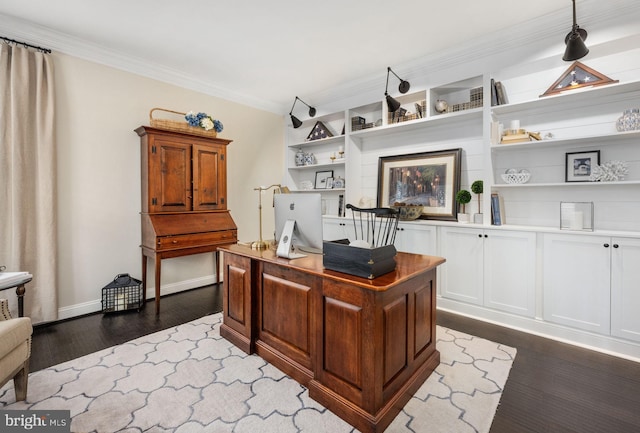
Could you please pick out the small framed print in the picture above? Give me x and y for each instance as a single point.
(579, 165)
(321, 179)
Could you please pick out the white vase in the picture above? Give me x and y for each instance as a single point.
(477, 218)
(463, 218)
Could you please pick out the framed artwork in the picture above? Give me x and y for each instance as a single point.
(430, 179)
(322, 178)
(579, 165)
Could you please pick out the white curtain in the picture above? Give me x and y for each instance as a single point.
(27, 177)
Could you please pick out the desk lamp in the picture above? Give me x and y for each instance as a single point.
(278, 189)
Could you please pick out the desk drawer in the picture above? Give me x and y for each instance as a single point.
(196, 240)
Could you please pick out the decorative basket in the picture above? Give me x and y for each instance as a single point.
(179, 126)
(515, 178)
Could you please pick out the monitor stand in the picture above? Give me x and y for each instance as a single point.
(285, 249)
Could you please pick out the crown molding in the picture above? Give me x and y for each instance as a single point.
(524, 38)
(60, 42)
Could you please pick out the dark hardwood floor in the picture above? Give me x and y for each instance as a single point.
(552, 387)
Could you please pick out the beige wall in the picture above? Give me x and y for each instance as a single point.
(98, 188)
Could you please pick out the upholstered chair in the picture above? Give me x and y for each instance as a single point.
(15, 350)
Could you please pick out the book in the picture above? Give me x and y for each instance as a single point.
(496, 218)
(501, 93)
(515, 138)
(494, 95)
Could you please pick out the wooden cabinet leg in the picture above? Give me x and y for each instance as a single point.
(144, 278)
(158, 261)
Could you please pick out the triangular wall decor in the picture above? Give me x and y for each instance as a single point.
(578, 76)
(318, 132)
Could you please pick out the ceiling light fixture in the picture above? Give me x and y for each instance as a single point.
(576, 49)
(296, 122)
(404, 86)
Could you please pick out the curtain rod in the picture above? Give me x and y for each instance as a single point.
(26, 45)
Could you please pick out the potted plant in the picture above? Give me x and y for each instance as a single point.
(477, 188)
(463, 197)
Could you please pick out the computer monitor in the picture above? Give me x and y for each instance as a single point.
(298, 218)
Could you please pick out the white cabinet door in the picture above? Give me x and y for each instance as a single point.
(416, 238)
(462, 274)
(625, 288)
(333, 229)
(510, 271)
(576, 280)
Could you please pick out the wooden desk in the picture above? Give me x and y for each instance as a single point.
(362, 347)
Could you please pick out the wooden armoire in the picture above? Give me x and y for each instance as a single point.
(184, 198)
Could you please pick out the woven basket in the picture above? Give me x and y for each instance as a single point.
(178, 126)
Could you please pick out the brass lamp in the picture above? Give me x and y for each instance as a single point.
(278, 189)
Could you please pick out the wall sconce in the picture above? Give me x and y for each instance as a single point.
(404, 86)
(296, 122)
(576, 49)
(278, 189)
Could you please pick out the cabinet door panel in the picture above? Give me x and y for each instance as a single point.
(463, 270)
(208, 183)
(577, 281)
(416, 238)
(171, 192)
(510, 271)
(625, 288)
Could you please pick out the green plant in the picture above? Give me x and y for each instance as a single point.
(463, 197)
(477, 188)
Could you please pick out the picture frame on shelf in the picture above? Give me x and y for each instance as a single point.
(578, 165)
(321, 179)
(329, 183)
(430, 179)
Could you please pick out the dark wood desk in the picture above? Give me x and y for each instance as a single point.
(362, 347)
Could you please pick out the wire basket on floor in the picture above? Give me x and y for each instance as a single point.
(123, 293)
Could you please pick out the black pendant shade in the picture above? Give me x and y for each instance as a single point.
(294, 120)
(393, 104)
(576, 49)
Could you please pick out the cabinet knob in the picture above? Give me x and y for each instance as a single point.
(606, 245)
(486, 236)
(615, 245)
(480, 235)
(399, 229)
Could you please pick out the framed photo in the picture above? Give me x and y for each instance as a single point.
(430, 179)
(321, 179)
(579, 164)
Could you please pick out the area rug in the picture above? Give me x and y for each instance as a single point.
(189, 379)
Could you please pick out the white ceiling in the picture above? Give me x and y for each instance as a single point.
(264, 53)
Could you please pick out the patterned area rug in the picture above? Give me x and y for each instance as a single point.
(189, 379)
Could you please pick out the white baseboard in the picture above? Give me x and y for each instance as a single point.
(94, 306)
(602, 343)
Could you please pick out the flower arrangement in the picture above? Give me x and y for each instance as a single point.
(204, 121)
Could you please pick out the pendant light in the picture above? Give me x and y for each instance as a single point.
(576, 49)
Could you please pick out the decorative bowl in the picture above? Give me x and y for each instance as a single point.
(408, 212)
(515, 178)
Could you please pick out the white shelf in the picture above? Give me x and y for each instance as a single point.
(573, 97)
(563, 184)
(329, 140)
(319, 190)
(338, 163)
(618, 136)
(412, 125)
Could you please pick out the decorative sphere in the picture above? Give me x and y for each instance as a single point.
(441, 105)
